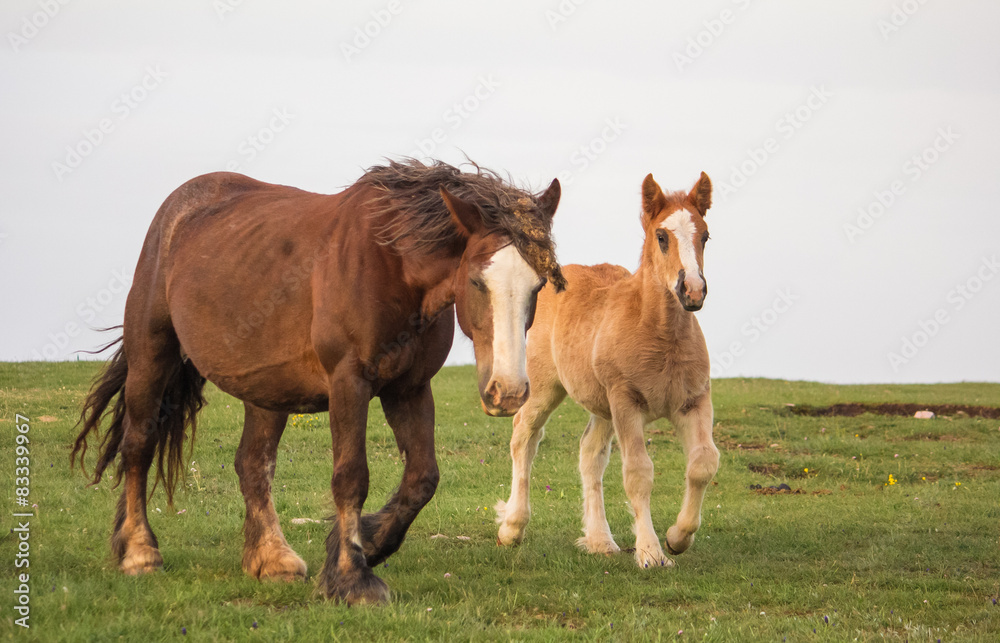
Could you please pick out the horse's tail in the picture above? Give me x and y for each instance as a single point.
(182, 399)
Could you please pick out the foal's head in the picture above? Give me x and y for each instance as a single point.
(496, 288)
(675, 238)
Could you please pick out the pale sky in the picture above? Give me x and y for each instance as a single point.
(853, 147)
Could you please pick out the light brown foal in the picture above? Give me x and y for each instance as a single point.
(628, 349)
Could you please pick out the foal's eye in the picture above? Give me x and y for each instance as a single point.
(704, 239)
(478, 284)
(661, 237)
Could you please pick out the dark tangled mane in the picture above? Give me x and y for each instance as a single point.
(421, 221)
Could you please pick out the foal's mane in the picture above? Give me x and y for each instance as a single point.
(420, 222)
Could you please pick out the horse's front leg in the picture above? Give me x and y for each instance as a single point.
(637, 474)
(695, 430)
(346, 575)
(411, 417)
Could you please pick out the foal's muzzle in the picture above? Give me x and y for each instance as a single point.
(691, 291)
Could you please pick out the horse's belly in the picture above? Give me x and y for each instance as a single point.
(275, 388)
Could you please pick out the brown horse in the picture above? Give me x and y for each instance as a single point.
(298, 303)
(627, 348)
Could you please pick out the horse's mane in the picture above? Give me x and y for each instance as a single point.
(420, 221)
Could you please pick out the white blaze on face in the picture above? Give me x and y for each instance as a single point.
(681, 225)
(510, 281)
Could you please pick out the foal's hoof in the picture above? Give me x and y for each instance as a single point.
(141, 561)
(651, 557)
(508, 535)
(676, 542)
(598, 545)
(359, 589)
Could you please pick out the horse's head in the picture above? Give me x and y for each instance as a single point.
(676, 234)
(495, 294)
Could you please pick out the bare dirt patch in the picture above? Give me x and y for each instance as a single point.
(933, 437)
(764, 468)
(785, 490)
(854, 409)
(732, 445)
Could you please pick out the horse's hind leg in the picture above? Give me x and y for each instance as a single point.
(529, 430)
(595, 451)
(149, 371)
(266, 553)
(695, 430)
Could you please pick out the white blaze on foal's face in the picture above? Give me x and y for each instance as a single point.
(690, 284)
(512, 285)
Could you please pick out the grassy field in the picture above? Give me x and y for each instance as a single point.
(856, 556)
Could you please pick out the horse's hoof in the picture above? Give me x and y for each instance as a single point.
(363, 588)
(280, 565)
(675, 543)
(650, 557)
(508, 535)
(142, 561)
(607, 546)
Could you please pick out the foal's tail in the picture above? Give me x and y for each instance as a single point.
(182, 399)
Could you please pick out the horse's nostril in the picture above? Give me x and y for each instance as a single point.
(495, 391)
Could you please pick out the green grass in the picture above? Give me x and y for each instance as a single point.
(917, 560)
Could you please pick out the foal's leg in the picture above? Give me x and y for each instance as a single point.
(411, 417)
(266, 553)
(695, 430)
(637, 471)
(529, 430)
(150, 365)
(346, 575)
(595, 451)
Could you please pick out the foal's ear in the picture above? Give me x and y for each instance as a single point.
(549, 200)
(464, 215)
(700, 195)
(652, 198)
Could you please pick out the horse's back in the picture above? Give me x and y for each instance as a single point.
(224, 255)
(566, 327)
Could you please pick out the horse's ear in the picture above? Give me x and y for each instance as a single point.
(652, 198)
(701, 194)
(464, 215)
(549, 200)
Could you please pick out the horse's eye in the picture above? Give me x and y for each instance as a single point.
(478, 284)
(661, 237)
(704, 239)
